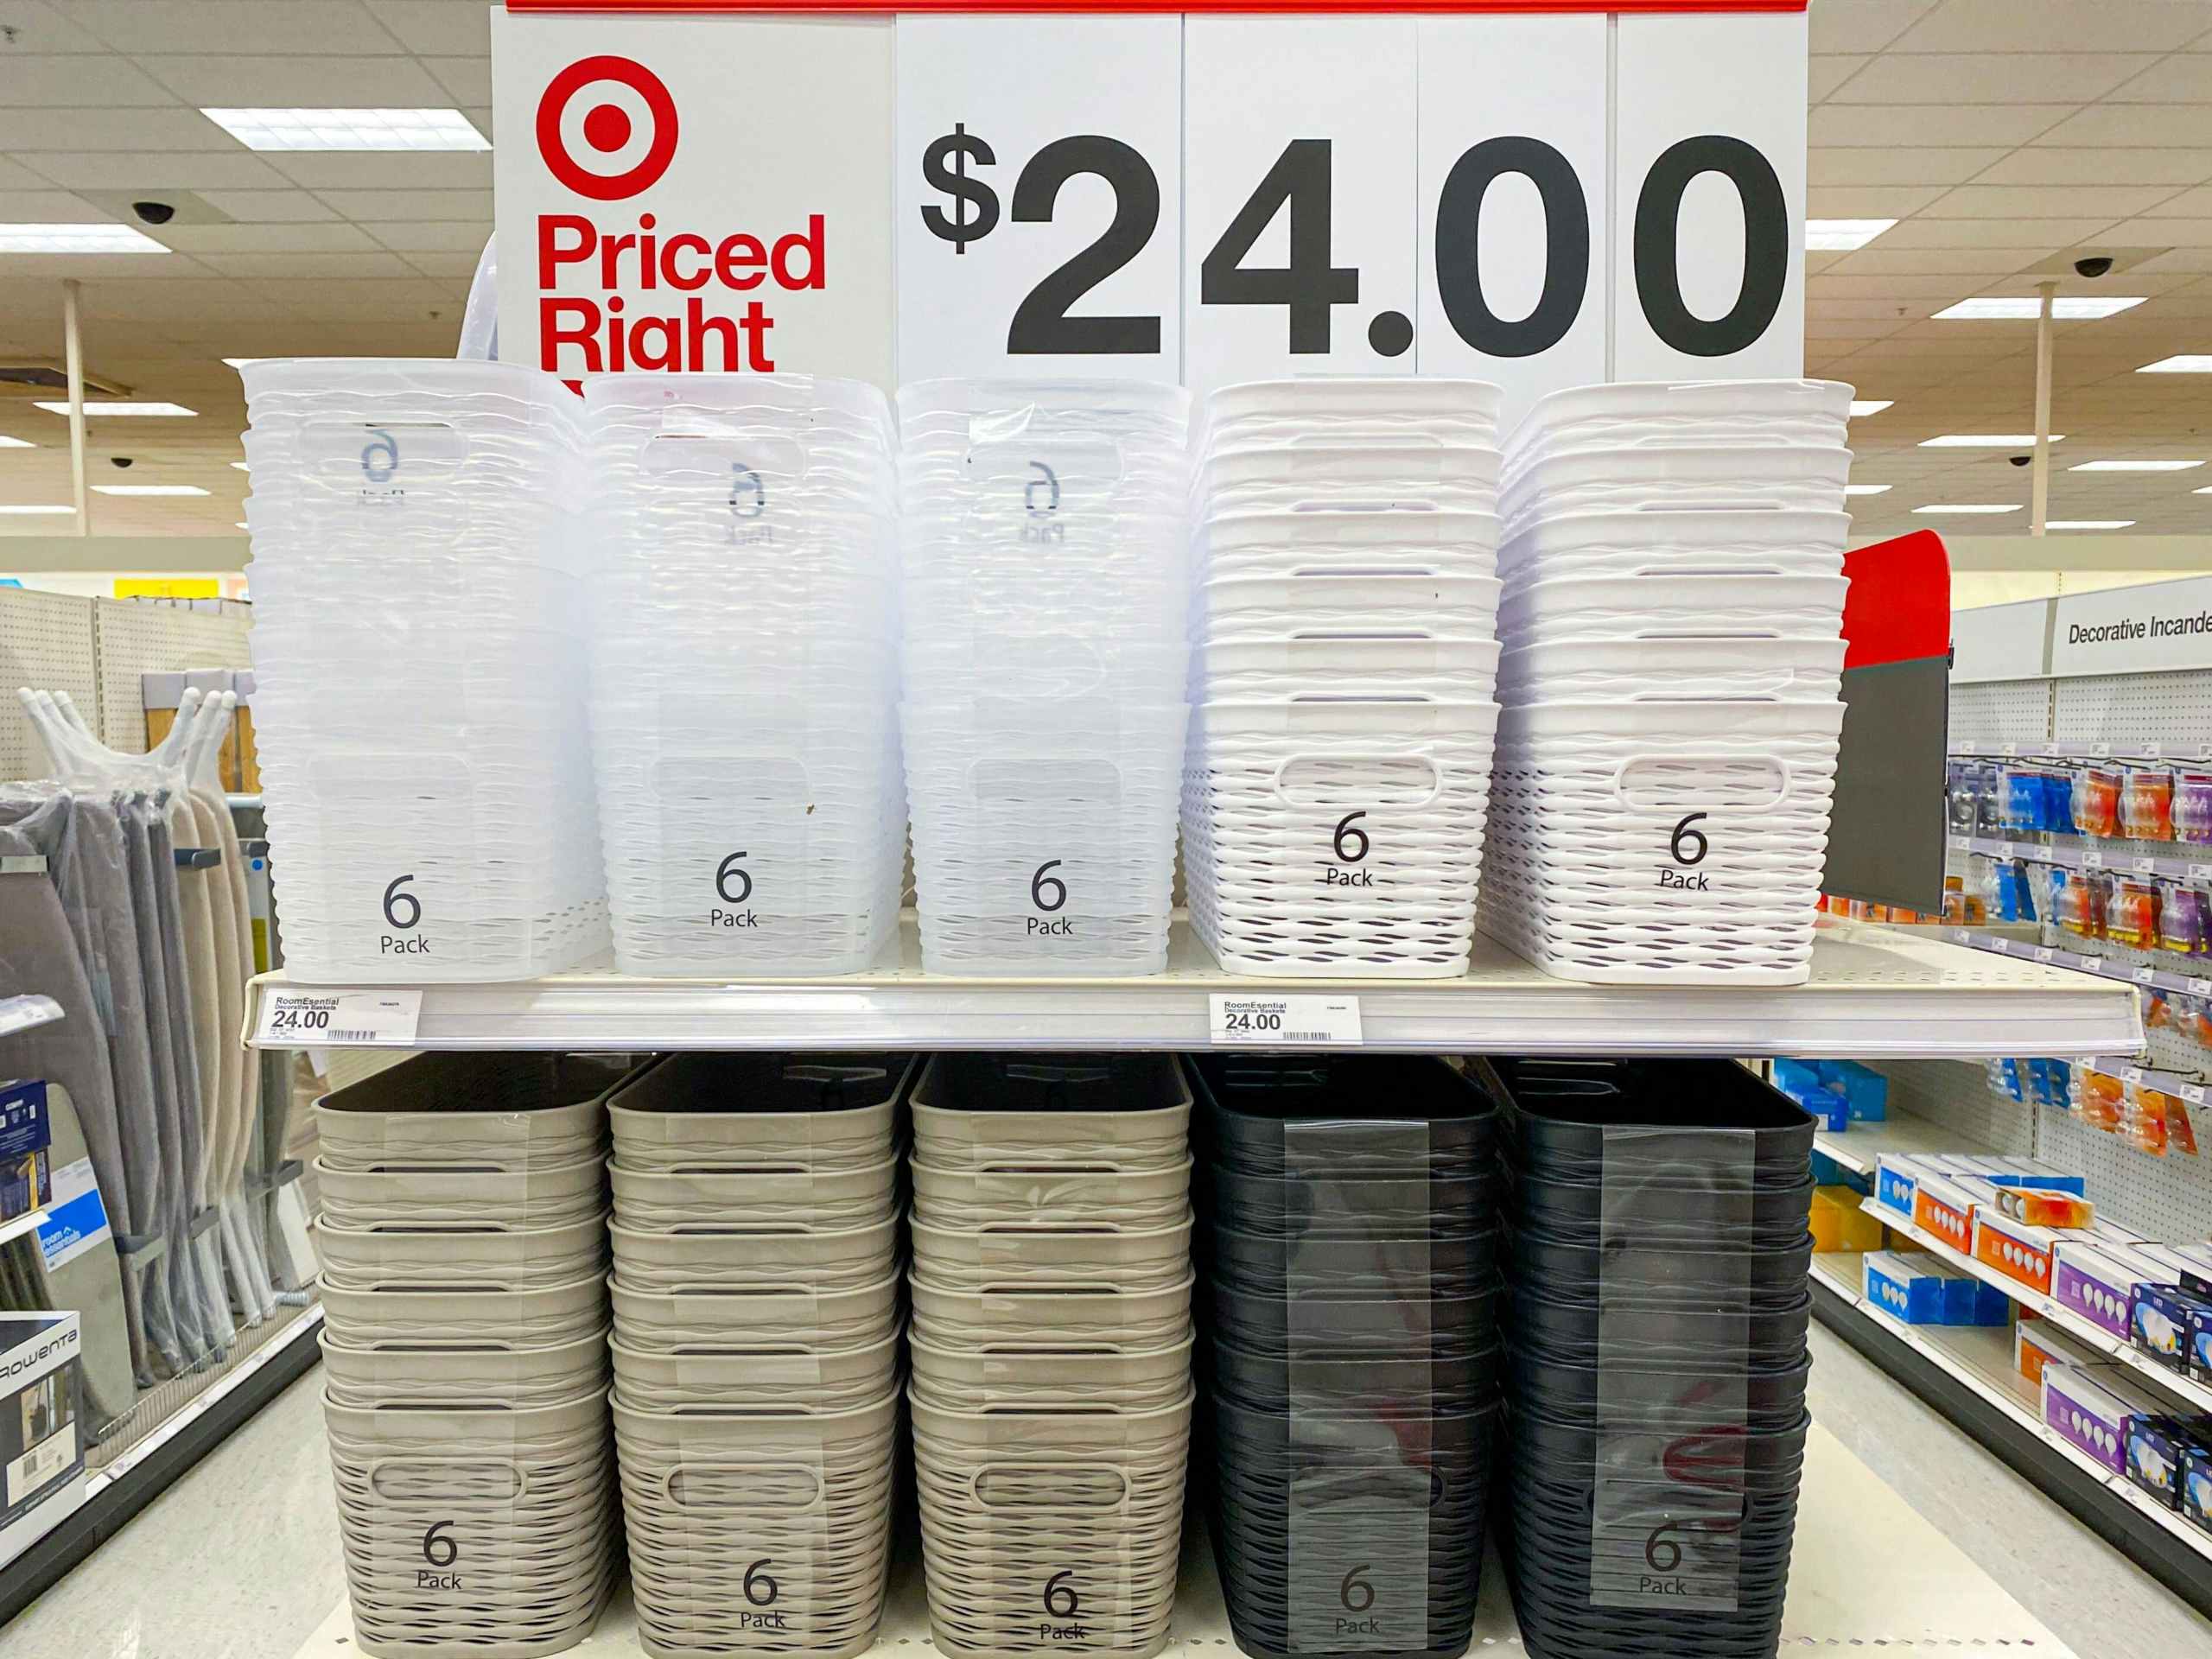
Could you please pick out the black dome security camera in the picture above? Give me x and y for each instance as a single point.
(2020, 461)
(2096, 265)
(120, 460)
(153, 212)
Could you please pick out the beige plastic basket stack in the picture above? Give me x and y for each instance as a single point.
(463, 1238)
(757, 1316)
(1051, 1347)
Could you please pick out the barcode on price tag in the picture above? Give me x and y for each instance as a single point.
(1283, 1021)
(339, 1019)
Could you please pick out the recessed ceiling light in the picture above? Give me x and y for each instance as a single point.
(2067, 307)
(350, 129)
(149, 489)
(1842, 235)
(1871, 405)
(1986, 440)
(76, 239)
(15, 443)
(2086, 524)
(25, 510)
(1866, 489)
(1969, 506)
(2134, 466)
(120, 408)
(2187, 363)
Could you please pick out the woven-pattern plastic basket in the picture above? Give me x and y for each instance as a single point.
(474, 1111)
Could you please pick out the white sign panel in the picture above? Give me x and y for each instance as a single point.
(1040, 200)
(1708, 196)
(1514, 224)
(2000, 642)
(1298, 184)
(681, 193)
(2163, 625)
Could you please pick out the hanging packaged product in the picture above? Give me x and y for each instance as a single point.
(2147, 804)
(2095, 805)
(2184, 918)
(2132, 912)
(2192, 808)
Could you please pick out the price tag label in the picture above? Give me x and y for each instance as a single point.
(1283, 1021)
(2200, 987)
(2193, 1093)
(1041, 195)
(2101, 750)
(2145, 865)
(2092, 859)
(339, 1019)
(2045, 953)
(2143, 976)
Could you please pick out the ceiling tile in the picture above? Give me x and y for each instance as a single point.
(440, 237)
(1997, 26)
(308, 264)
(2185, 78)
(365, 206)
(2048, 234)
(410, 298)
(2135, 124)
(1918, 124)
(1902, 290)
(2162, 233)
(16, 176)
(2188, 204)
(269, 206)
(386, 169)
(2048, 201)
(2183, 259)
(1921, 165)
(42, 28)
(455, 262)
(437, 27)
(119, 169)
(315, 83)
(170, 128)
(468, 80)
(34, 81)
(1825, 74)
(47, 207)
(239, 27)
(1862, 25)
(1967, 78)
(332, 238)
(2041, 164)
(204, 296)
(1850, 310)
(1962, 262)
(1869, 201)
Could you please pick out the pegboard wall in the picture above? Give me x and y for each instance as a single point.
(96, 649)
(46, 643)
(2129, 711)
(1955, 1095)
(2001, 711)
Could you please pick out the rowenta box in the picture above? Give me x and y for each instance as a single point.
(2088, 1416)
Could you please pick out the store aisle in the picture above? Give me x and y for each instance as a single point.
(239, 1558)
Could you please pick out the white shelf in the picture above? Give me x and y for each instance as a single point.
(1866, 1571)
(1981, 1358)
(1881, 993)
(27, 1014)
(2198, 1394)
(2020, 945)
(11, 1230)
(1858, 1147)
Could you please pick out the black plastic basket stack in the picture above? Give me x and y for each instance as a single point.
(1353, 1369)
(1655, 1384)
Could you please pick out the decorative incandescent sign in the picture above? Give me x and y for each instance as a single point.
(1543, 196)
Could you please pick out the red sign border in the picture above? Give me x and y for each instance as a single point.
(1046, 7)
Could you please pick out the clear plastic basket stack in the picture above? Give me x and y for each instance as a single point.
(1046, 564)
(1051, 1346)
(745, 672)
(1672, 629)
(1345, 659)
(1354, 1361)
(463, 1239)
(757, 1201)
(1658, 1256)
(419, 669)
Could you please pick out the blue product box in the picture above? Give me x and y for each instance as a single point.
(2162, 1321)
(1867, 1089)
(1894, 1183)
(1903, 1291)
(2197, 1486)
(26, 1183)
(1993, 1308)
(2157, 1453)
(1798, 1078)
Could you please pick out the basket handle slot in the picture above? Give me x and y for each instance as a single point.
(670, 1481)
(1105, 1473)
(517, 1473)
(1779, 769)
(1282, 792)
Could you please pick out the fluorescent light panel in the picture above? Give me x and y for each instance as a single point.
(1871, 405)
(2134, 466)
(1987, 441)
(1866, 489)
(2187, 363)
(1969, 507)
(26, 511)
(7, 443)
(240, 465)
(149, 489)
(2086, 524)
(122, 408)
(76, 239)
(2067, 307)
(418, 129)
(1842, 235)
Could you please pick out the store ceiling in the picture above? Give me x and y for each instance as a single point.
(2001, 134)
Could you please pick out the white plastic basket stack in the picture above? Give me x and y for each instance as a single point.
(756, 1347)
(1051, 1345)
(463, 1239)
(1342, 672)
(1046, 584)
(419, 681)
(745, 672)
(1672, 624)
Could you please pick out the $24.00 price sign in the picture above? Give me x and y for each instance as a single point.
(1541, 199)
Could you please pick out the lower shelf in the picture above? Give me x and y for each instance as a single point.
(1867, 1570)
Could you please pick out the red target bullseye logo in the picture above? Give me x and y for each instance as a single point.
(608, 128)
